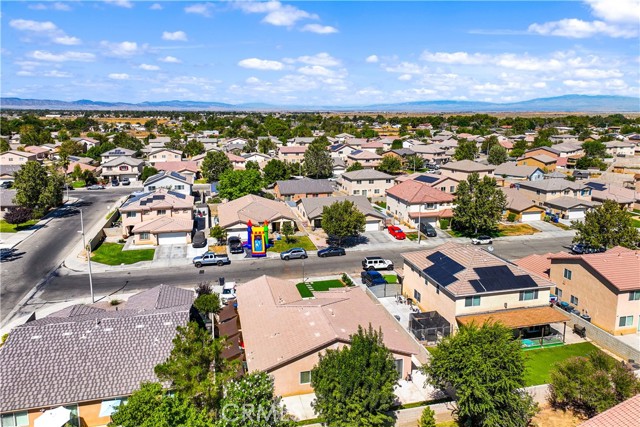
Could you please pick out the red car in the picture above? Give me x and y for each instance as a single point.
(396, 232)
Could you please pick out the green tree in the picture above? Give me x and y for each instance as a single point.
(594, 148)
(485, 367)
(147, 172)
(250, 402)
(218, 233)
(354, 384)
(355, 166)
(414, 162)
(4, 145)
(70, 148)
(208, 303)
(287, 231)
(592, 384)
(18, 215)
(606, 226)
(343, 219)
(29, 183)
(317, 161)
(497, 155)
(76, 174)
(124, 140)
(466, 150)
(193, 148)
(519, 147)
(428, 418)
(52, 194)
(235, 184)
(214, 164)
(390, 164)
(586, 162)
(265, 145)
(150, 124)
(252, 165)
(488, 142)
(479, 205)
(275, 170)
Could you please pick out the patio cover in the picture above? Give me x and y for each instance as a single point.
(56, 417)
(517, 318)
(108, 407)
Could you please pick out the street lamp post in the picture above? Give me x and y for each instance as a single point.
(419, 221)
(88, 254)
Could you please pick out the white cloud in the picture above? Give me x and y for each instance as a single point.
(316, 70)
(24, 73)
(539, 85)
(42, 55)
(319, 29)
(253, 80)
(54, 6)
(122, 49)
(579, 29)
(44, 28)
(322, 58)
(175, 36)
(276, 13)
(261, 64)
(204, 9)
(594, 73)
(616, 10)
(58, 74)
(120, 3)
(453, 57)
(170, 59)
(405, 77)
(372, 59)
(578, 83)
(67, 40)
(148, 67)
(156, 6)
(119, 76)
(405, 68)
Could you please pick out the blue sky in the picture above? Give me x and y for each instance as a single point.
(318, 53)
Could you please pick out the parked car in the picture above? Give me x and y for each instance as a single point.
(6, 184)
(376, 263)
(235, 245)
(396, 232)
(115, 183)
(96, 187)
(428, 230)
(125, 181)
(293, 253)
(581, 249)
(211, 258)
(372, 278)
(199, 240)
(331, 251)
(482, 240)
(228, 292)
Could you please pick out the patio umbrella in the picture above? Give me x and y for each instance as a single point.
(56, 417)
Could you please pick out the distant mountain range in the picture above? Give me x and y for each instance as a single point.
(565, 103)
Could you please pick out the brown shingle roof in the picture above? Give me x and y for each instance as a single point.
(517, 317)
(625, 414)
(415, 192)
(252, 208)
(467, 166)
(517, 201)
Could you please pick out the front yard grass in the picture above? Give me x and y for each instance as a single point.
(5, 227)
(516, 230)
(560, 225)
(112, 254)
(412, 235)
(539, 362)
(79, 184)
(319, 286)
(390, 278)
(294, 242)
(635, 222)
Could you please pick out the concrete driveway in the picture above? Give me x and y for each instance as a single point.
(166, 252)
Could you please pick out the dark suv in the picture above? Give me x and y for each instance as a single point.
(372, 278)
(428, 230)
(235, 245)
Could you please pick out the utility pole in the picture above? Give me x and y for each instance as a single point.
(88, 255)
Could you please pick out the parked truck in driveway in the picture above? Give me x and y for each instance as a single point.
(211, 258)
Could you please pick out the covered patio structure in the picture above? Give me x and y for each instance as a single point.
(429, 327)
(533, 326)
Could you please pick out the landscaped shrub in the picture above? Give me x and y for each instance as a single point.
(444, 223)
(511, 217)
(346, 280)
(203, 288)
(209, 303)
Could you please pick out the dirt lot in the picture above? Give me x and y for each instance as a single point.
(548, 417)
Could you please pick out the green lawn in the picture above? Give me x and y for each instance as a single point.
(78, 184)
(5, 227)
(390, 278)
(200, 181)
(304, 291)
(112, 254)
(412, 235)
(295, 242)
(539, 362)
(319, 286)
(635, 222)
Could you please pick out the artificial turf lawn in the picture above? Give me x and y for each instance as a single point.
(539, 362)
(390, 278)
(295, 242)
(112, 254)
(319, 286)
(5, 227)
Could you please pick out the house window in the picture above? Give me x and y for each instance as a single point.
(574, 300)
(417, 296)
(624, 321)
(152, 187)
(144, 236)
(124, 168)
(376, 191)
(452, 189)
(179, 187)
(567, 274)
(370, 181)
(634, 296)
(430, 206)
(472, 301)
(399, 367)
(388, 181)
(356, 191)
(559, 293)
(443, 189)
(11, 159)
(358, 182)
(528, 295)
(131, 214)
(15, 419)
(162, 211)
(305, 377)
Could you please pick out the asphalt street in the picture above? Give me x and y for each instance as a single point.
(65, 286)
(44, 250)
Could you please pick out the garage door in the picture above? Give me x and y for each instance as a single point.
(372, 225)
(575, 213)
(172, 238)
(531, 216)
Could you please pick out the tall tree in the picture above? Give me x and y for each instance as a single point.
(355, 166)
(265, 145)
(317, 161)
(71, 148)
(29, 183)
(479, 205)
(4, 145)
(390, 164)
(466, 150)
(606, 226)
(147, 171)
(287, 231)
(235, 184)
(252, 165)
(488, 142)
(193, 148)
(275, 170)
(594, 148)
(214, 164)
(413, 162)
(343, 219)
(497, 155)
(354, 384)
(485, 366)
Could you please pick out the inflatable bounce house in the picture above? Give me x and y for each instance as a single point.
(258, 239)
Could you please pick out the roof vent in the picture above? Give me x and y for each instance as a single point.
(108, 329)
(36, 337)
(67, 334)
(139, 326)
(167, 323)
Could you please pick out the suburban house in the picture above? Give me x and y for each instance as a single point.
(172, 180)
(340, 151)
(542, 161)
(259, 158)
(311, 211)
(569, 149)
(238, 162)
(373, 146)
(292, 154)
(462, 169)
(165, 155)
(16, 158)
(8, 172)
(620, 148)
(186, 168)
(339, 166)
(433, 153)
(366, 158)
(461, 281)
(6, 201)
(569, 199)
(83, 167)
(40, 151)
(88, 358)
(414, 202)
(523, 207)
(365, 182)
(628, 198)
(141, 212)
(297, 330)
(443, 183)
(86, 142)
(116, 152)
(300, 141)
(514, 172)
(295, 189)
(234, 216)
(121, 167)
(625, 414)
(605, 286)
(400, 154)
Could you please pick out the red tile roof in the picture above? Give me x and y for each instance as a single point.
(625, 414)
(538, 264)
(188, 165)
(414, 192)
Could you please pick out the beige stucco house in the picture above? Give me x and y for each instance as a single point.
(165, 155)
(367, 159)
(462, 169)
(14, 157)
(365, 182)
(292, 154)
(414, 202)
(234, 216)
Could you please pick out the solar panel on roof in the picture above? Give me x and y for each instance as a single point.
(426, 179)
(596, 186)
(500, 278)
(443, 269)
